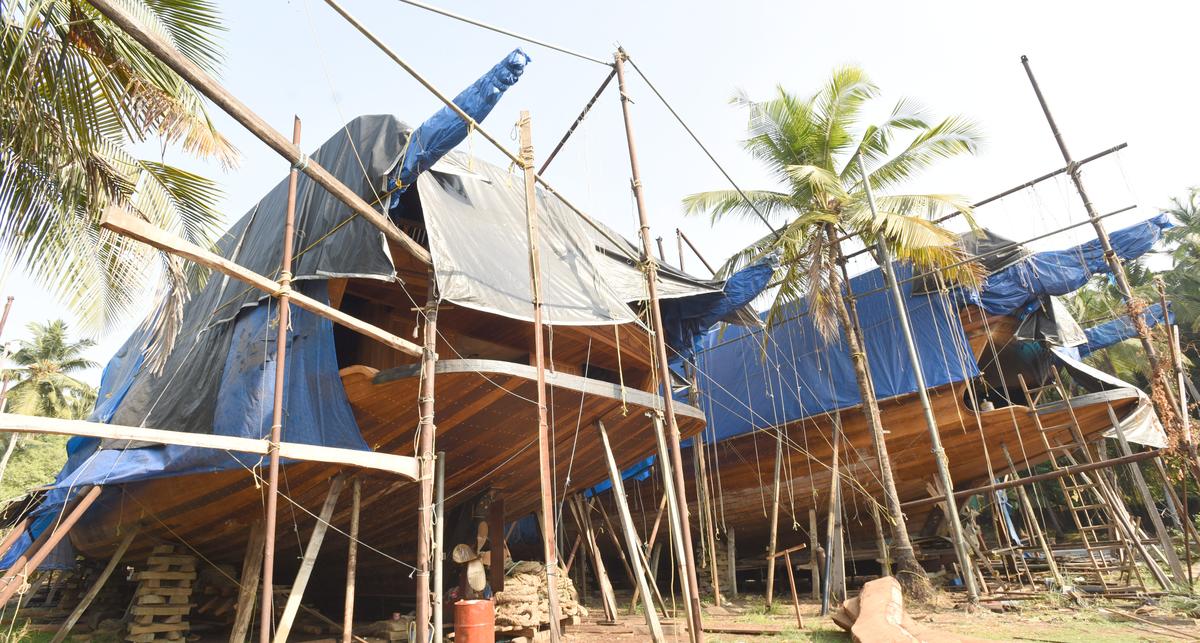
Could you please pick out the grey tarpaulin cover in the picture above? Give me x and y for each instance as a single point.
(475, 216)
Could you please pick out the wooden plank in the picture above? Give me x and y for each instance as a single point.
(401, 465)
(94, 590)
(152, 575)
(248, 582)
(118, 220)
(284, 628)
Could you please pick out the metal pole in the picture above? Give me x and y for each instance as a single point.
(549, 546)
(426, 434)
(935, 439)
(439, 545)
(664, 371)
(1166, 411)
(266, 616)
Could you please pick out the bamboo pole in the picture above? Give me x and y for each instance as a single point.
(549, 544)
(209, 87)
(97, 585)
(935, 439)
(351, 562)
(426, 438)
(664, 370)
(1166, 411)
(631, 539)
(266, 616)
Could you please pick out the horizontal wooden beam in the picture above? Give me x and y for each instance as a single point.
(207, 85)
(401, 465)
(1049, 475)
(119, 220)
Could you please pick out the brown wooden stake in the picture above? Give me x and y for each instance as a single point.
(97, 585)
(13, 534)
(835, 490)
(674, 519)
(607, 597)
(266, 615)
(664, 370)
(616, 541)
(731, 557)
(545, 477)
(706, 511)
(351, 562)
(574, 549)
(814, 558)
(631, 539)
(787, 561)
(41, 548)
(248, 583)
(496, 541)
(426, 438)
(662, 505)
(309, 561)
(885, 559)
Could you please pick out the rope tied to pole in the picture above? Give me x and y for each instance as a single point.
(301, 163)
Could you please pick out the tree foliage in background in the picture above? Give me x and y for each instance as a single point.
(815, 148)
(1183, 280)
(1098, 302)
(43, 383)
(75, 94)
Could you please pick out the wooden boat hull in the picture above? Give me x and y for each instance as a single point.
(487, 427)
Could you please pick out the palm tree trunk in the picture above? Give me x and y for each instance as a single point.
(8, 451)
(909, 572)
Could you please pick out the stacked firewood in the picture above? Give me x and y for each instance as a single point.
(525, 601)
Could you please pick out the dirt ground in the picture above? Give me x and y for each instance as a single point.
(1049, 619)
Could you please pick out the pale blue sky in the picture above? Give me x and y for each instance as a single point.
(1112, 72)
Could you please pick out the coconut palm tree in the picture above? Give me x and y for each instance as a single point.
(812, 146)
(75, 93)
(44, 374)
(44, 383)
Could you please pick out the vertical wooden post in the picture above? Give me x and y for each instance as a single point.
(497, 542)
(309, 561)
(731, 557)
(1164, 538)
(439, 545)
(885, 559)
(773, 542)
(248, 582)
(580, 509)
(664, 370)
(631, 539)
(351, 562)
(835, 490)
(675, 522)
(814, 557)
(97, 585)
(426, 438)
(266, 614)
(549, 546)
(651, 563)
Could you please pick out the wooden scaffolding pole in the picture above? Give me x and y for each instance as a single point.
(631, 539)
(1034, 525)
(674, 519)
(248, 583)
(97, 585)
(773, 540)
(549, 544)
(266, 615)
(351, 562)
(41, 548)
(206, 85)
(835, 490)
(439, 544)
(292, 607)
(1167, 412)
(426, 438)
(664, 370)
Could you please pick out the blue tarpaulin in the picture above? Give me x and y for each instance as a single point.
(1121, 329)
(446, 129)
(687, 319)
(747, 384)
(1018, 289)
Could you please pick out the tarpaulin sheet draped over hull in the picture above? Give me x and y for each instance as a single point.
(1140, 427)
(747, 385)
(476, 218)
(1120, 329)
(1017, 289)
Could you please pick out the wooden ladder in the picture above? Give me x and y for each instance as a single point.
(1087, 497)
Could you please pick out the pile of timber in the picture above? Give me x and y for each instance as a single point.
(524, 603)
(877, 614)
(163, 597)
